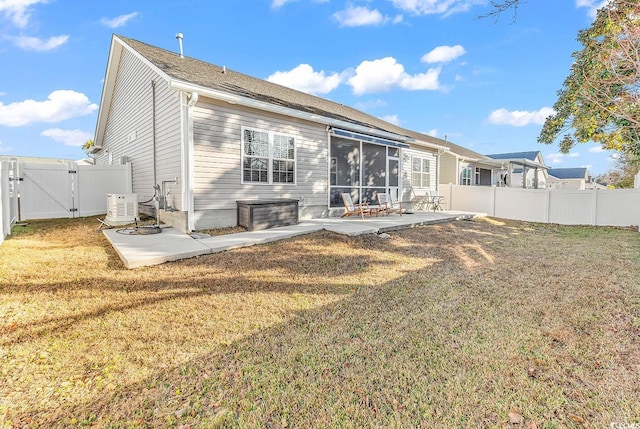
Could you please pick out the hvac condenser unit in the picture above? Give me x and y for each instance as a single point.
(121, 209)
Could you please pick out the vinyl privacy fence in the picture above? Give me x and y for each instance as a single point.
(606, 207)
(47, 191)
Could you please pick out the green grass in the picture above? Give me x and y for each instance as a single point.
(469, 324)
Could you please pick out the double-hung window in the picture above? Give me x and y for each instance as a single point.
(420, 172)
(465, 176)
(268, 157)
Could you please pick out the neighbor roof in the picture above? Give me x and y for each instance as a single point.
(531, 156)
(568, 173)
(200, 73)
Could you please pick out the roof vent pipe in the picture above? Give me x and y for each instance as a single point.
(179, 36)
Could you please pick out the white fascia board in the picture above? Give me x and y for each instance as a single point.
(148, 63)
(105, 97)
(524, 162)
(462, 158)
(431, 145)
(286, 111)
(115, 54)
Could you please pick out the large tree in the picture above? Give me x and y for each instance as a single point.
(600, 100)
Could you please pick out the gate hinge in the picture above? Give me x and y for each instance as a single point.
(15, 179)
(73, 210)
(72, 171)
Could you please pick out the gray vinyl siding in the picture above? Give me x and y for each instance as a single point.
(217, 157)
(131, 111)
(409, 190)
(448, 170)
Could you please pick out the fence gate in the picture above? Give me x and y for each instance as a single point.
(47, 191)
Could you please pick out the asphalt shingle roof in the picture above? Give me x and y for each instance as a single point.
(531, 156)
(568, 173)
(211, 76)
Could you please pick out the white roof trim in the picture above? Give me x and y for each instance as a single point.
(113, 64)
(287, 111)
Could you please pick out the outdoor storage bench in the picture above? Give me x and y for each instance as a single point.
(262, 214)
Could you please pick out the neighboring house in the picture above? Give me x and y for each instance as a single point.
(461, 166)
(208, 136)
(569, 178)
(521, 169)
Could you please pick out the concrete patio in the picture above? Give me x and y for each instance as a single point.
(172, 245)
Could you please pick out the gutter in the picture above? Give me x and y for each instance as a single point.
(287, 111)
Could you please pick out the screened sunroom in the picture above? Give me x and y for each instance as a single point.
(363, 166)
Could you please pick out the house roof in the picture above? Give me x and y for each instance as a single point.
(531, 156)
(568, 173)
(202, 74)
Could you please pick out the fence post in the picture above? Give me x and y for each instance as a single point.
(3, 203)
(594, 207)
(492, 203)
(547, 214)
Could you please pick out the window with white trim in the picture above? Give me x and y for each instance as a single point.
(465, 176)
(268, 157)
(420, 172)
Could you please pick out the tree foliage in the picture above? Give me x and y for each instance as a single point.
(622, 176)
(88, 144)
(600, 99)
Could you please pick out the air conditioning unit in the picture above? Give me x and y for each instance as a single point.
(122, 209)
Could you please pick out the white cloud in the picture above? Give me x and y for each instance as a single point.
(392, 119)
(276, 4)
(18, 11)
(60, 105)
(432, 133)
(519, 118)
(386, 73)
(443, 54)
(303, 78)
(358, 16)
(596, 149)
(68, 137)
(435, 7)
(118, 21)
(559, 158)
(592, 6)
(36, 44)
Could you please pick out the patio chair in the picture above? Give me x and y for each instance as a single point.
(352, 208)
(387, 204)
(428, 201)
(433, 201)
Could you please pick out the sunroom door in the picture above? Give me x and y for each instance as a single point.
(393, 169)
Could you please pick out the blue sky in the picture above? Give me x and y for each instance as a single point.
(428, 65)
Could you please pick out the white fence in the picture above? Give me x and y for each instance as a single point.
(45, 191)
(605, 207)
(6, 220)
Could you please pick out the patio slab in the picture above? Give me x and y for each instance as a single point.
(171, 245)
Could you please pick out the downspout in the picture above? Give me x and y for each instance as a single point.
(328, 181)
(153, 129)
(192, 99)
(440, 152)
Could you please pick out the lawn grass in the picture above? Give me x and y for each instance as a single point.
(483, 323)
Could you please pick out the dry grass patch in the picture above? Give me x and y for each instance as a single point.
(469, 324)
